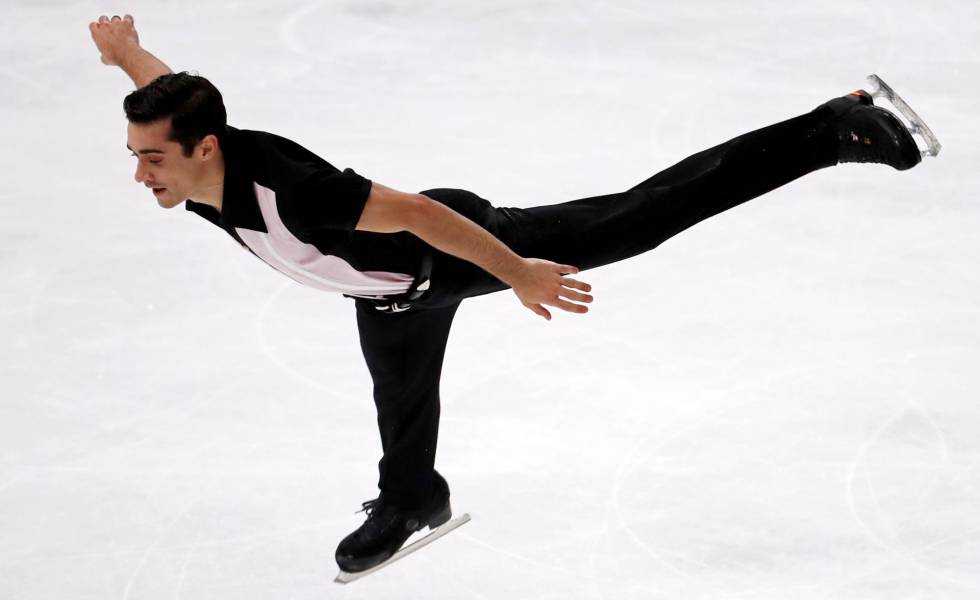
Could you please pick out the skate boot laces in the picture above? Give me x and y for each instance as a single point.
(370, 507)
(378, 519)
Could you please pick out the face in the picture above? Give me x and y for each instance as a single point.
(162, 166)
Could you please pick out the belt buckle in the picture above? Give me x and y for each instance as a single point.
(416, 291)
(394, 307)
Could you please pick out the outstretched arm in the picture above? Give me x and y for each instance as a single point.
(117, 40)
(536, 282)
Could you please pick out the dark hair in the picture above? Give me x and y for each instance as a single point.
(191, 101)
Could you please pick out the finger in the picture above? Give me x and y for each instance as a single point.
(540, 311)
(103, 19)
(573, 295)
(114, 17)
(571, 306)
(574, 283)
(128, 18)
(566, 269)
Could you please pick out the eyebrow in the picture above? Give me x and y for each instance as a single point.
(146, 150)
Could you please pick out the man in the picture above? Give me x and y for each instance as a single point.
(408, 260)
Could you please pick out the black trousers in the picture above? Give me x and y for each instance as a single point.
(404, 351)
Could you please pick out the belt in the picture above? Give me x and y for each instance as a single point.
(402, 302)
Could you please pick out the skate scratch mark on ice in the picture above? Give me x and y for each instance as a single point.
(16, 479)
(240, 540)
(166, 530)
(183, 564)
(633, 457)
(174, 420)
(872, 571)
(79, 450)
(33, 81)
(82, 452)
(152, 547)
(16, 311)
(290, 39)
(626, 466)
(366, 37)
(852, 476)
(266, 348)
(597, 587)
(899, 551)
(963, 536)
(287, 31)
(519, 557)
(943, 449)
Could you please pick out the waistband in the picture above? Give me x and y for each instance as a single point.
(402, 302)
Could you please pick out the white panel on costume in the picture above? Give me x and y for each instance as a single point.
(304, 263)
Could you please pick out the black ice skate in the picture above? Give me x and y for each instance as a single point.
(869, 134)
(388, 526)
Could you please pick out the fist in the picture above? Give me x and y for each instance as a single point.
(114, 37)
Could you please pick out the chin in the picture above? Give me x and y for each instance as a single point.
(168, 202)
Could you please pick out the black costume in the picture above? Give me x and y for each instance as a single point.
(318, 205)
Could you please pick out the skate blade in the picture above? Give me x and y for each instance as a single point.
(916, 124)
(344, 577)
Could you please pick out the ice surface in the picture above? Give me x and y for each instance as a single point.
(781, 402)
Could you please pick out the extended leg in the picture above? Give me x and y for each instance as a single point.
(596, 231)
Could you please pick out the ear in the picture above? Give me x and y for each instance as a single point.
(209, 146)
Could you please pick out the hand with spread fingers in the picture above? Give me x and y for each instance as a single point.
(114, 37)
(541, 282)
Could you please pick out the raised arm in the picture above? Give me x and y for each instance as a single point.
(117, 40)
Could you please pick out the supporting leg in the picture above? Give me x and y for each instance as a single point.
(404, 354)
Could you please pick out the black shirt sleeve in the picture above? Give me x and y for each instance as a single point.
(329, 199)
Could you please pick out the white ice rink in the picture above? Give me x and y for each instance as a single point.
(779, 403)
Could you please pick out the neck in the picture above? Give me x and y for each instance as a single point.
(212, 188)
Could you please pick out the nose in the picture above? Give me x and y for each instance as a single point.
(140, 172)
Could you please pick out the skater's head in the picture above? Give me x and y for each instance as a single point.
(177, 124)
